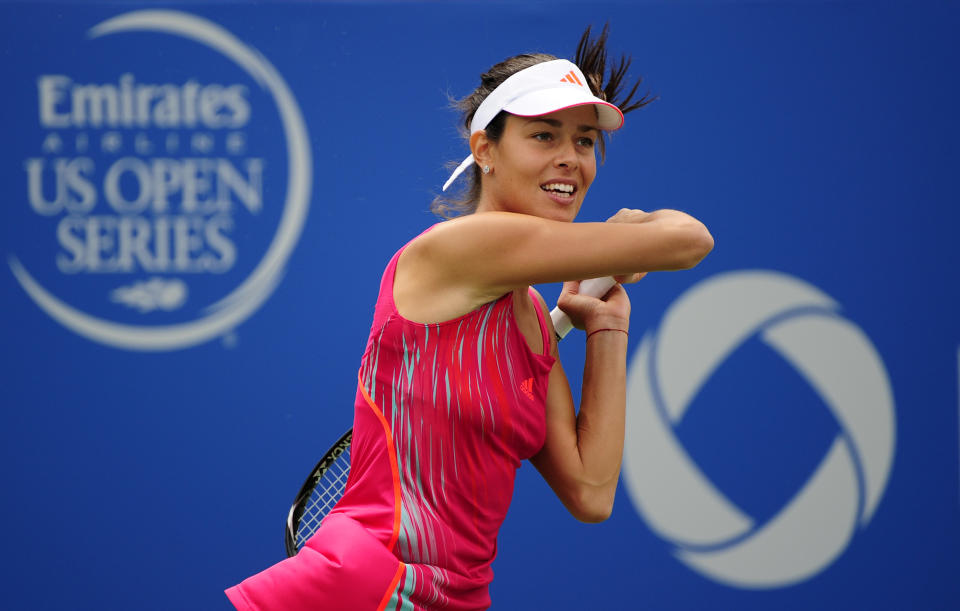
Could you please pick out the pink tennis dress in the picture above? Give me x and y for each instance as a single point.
(444, 415)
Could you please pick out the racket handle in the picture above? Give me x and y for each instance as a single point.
(595, 287)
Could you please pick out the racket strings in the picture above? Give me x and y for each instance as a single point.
(323, 497)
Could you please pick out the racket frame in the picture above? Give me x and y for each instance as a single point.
(306, 490)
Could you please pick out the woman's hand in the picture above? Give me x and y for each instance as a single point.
(630, 278)
(626, 215)
(612, 311)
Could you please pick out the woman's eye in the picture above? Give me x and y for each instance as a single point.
(585, 142)
(543, 136)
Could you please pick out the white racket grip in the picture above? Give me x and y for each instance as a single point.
(595, 287)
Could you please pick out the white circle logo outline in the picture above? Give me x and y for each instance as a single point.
(676, 499)
(226, 314)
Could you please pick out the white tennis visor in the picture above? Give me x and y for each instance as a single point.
(538, 90)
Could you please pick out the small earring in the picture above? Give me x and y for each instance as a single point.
(486, 169)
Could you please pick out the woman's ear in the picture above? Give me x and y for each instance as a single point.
(481, 147)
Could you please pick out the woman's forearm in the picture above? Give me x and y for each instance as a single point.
(600, 422)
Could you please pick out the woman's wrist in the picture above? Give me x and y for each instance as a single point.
(606, 322)
(608, 330)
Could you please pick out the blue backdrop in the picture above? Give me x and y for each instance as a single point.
(199, 202)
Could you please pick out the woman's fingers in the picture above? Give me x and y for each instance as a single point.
(630, 278)
(583, 309)
(626, 215)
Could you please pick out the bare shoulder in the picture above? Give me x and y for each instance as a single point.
(434, 279)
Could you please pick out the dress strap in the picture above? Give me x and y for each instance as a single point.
(390, 272)
(543, 323)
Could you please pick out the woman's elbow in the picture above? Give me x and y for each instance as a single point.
(591, 506)
(594, 516)
(698, 244)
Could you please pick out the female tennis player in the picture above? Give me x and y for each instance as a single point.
(461, 381)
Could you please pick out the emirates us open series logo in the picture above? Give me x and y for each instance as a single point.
(167, 185)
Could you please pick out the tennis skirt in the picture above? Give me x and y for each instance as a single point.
(341, 568)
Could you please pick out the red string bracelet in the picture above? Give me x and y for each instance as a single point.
(624, 331)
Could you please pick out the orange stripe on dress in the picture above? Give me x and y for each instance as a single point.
(392, 587)
(394, 470)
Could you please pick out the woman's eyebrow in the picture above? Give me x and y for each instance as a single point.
(550, 122)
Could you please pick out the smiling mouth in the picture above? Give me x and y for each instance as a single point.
(562, 190)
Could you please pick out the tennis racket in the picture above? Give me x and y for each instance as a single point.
(328, 480)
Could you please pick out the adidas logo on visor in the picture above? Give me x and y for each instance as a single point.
(571, 77)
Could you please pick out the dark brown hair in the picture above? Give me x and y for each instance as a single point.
(590, 57)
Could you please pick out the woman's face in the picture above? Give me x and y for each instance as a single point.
(543, 165)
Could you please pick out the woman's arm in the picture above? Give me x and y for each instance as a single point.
(582, 453)
(472, 260)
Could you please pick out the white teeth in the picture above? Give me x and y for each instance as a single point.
(556, 186)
